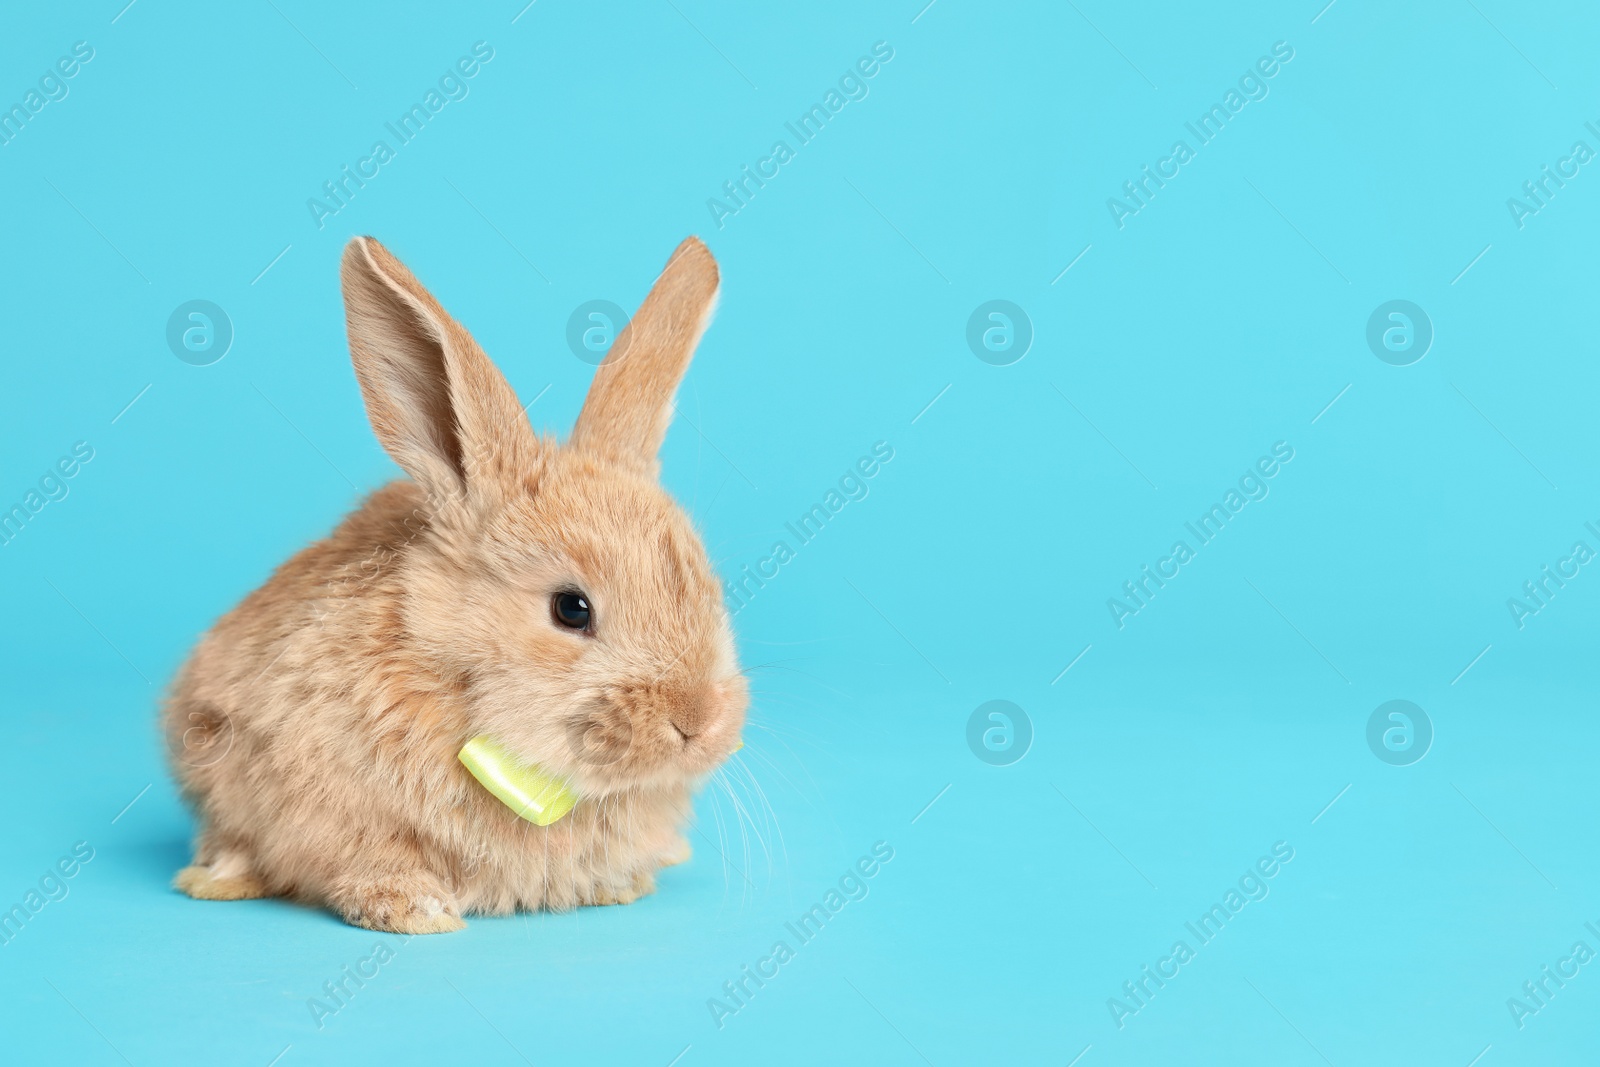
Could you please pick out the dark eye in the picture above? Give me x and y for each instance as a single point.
(571, 610)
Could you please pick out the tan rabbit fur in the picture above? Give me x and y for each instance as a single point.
(315, 727)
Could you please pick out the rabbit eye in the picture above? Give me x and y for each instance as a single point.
(571, 610)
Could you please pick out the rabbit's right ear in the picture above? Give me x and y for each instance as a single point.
(438, 405)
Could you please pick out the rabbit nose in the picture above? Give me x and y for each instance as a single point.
(688, 723)
(690, 715)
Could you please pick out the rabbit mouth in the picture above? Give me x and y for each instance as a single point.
(608, 751)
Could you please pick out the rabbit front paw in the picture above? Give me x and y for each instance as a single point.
(678, 852)
(210, 882)
(643, 884)
(400, 904)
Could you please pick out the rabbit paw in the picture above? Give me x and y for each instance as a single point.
(210, 882)
(678, 853)
(401, 904)
(644, 883)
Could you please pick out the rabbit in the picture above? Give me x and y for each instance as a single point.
(550, 595)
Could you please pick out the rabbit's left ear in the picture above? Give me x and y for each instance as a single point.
(630, 401)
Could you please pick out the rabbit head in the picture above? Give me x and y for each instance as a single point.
(556, 584)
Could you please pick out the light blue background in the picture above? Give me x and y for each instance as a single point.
(1224, 317)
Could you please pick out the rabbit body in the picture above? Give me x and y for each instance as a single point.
(315, 728)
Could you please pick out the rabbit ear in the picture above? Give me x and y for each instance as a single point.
(439, 407)
(630, 401)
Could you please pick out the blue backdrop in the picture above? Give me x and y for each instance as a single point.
(1234, 366)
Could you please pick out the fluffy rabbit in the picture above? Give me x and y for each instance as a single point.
(551, 596)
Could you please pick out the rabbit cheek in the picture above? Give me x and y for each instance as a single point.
(602, 739)
(551, 653)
